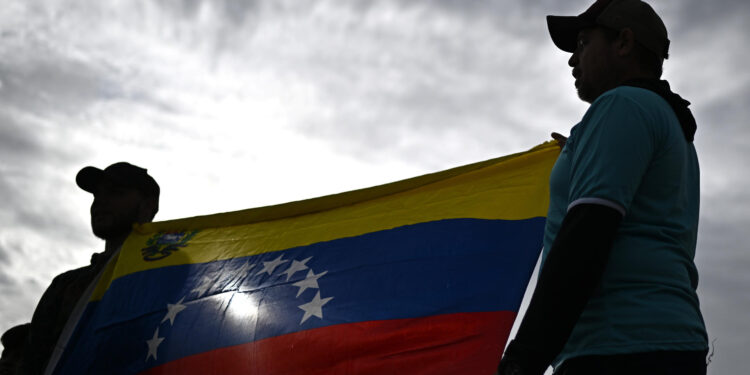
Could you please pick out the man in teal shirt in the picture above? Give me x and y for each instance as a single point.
(617, 290)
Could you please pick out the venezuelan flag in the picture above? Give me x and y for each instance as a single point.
(420, 276)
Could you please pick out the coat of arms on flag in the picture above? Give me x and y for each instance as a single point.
(421, 276)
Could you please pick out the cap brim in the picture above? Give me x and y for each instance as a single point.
(564, 30)
(88, 177)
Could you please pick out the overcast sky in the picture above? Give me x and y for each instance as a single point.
(237, 104)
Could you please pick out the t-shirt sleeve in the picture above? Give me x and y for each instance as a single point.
(612, 151)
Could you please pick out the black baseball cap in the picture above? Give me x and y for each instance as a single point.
(120, 174)
(647, 26)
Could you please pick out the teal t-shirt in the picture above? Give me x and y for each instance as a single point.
(629, 152)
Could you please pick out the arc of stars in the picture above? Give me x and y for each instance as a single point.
(173, 310)
(314, 307)
(296, 267)
(202, 288)
(310, 281)
(239, 275)
(153, 344)
(269, 267)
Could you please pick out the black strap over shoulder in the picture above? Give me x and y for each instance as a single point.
(678, 104)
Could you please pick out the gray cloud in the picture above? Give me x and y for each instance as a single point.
(696, 14)
(6, 280)
(424, 81)
(5, 255)
(430, 84)
(17, 141)
(42, 86)
(15, 289)
(723, 261)
(31, 208)
(726, 116)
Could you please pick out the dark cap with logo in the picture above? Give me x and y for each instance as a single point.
(120, 174)
(647, 26)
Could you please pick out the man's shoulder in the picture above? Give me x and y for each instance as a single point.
(72, 274)
(631, 97)
(80, 277)
(627, 105)
(626, 112)
(74, 277)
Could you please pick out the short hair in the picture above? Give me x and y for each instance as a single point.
(647, 60)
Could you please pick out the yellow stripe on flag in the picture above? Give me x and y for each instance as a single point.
(512, 187)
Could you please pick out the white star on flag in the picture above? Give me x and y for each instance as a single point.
(296, 267)
(203, 286)
(270, 266)
(244, 268)
(314, 307)
(173, 310)
(311, 281)
(153, 344)
(239, 275)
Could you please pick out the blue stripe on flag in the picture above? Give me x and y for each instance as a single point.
(439, 267)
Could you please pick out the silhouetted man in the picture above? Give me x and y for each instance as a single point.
(124, 194)
(617, 289)
(13, 342)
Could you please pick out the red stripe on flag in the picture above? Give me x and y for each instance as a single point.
(462, 343)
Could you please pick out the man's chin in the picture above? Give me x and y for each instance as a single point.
(109, 232)
(585, 95)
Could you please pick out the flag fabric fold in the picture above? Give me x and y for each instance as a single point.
(420, 276)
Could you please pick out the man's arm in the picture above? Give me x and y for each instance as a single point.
(44, 327)
(572, 271)
(13, 341)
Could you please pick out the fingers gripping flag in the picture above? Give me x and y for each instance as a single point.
(421, 276)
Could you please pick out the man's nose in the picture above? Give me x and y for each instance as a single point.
(98, 202)
(573, 61)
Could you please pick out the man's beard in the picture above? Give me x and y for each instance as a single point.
(597, 82)
(117, 226)
(587, 93)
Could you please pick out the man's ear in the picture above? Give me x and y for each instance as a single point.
(625, 43)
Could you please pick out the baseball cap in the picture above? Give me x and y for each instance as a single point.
(120, 174)
(647, 26)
